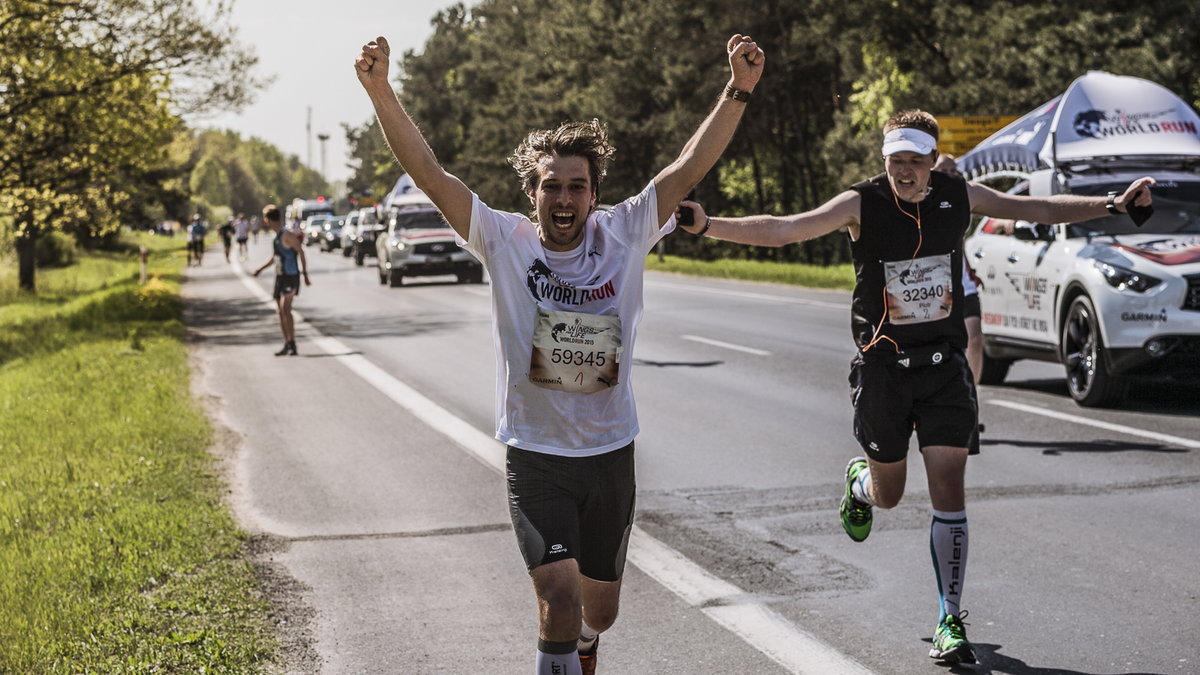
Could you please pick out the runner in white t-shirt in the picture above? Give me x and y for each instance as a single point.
(242, 230)
(567, 299)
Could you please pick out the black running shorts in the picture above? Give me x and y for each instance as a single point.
(285, 284)
(938, 401)
(573, 507)
(971, 306)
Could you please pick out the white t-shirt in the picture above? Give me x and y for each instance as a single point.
(568, 298)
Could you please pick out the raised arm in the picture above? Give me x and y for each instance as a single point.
(767, 230)
(701, 152)
(446, 191)
(1057, 208)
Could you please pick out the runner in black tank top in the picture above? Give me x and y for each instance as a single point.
(887, 234)
(911, 372)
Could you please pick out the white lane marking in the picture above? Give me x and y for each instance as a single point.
(1119, 428)
(754, 296)
(725, 345)
(740, 613)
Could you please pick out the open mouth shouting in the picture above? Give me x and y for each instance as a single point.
(563, 220)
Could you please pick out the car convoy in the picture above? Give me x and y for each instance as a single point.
(410, 239)
(1113, 300)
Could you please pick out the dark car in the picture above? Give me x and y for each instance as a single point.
(314, 228)
(331, 233)
(366, 234)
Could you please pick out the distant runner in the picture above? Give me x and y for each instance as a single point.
(196, 231)
(290, 264)
(241, 228)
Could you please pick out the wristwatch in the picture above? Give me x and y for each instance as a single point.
(1111, 203)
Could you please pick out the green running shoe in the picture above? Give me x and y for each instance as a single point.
(856, 515)
(950, 641)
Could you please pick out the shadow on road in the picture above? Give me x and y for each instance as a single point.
(243, 321)
(1060, 447)
(1160, 398)
(669, 364)
(992, 661)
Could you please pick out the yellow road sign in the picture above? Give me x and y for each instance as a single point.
(959, 134)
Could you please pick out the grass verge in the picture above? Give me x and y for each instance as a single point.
(814, 276)
(117, 553)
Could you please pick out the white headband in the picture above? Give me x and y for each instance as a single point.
(907, 139)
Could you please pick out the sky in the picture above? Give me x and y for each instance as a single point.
(309, 47)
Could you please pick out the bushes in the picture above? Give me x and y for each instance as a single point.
(55, 249)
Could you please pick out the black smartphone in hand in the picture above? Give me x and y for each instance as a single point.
(686, 215)
(1139, 214)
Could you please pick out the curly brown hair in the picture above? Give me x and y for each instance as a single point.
(913, 119)
(572, 139)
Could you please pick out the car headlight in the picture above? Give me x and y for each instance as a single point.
(399, 245)
(1122, 278)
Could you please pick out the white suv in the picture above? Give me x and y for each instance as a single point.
(419, 242)
(1111, 301)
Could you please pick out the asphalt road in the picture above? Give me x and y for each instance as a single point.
(368, 459)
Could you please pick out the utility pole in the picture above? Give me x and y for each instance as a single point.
(323, 138)
(308, 134)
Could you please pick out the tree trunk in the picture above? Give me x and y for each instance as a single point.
(26, 260)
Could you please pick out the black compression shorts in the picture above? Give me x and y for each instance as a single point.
(938, 401)
(573, 507)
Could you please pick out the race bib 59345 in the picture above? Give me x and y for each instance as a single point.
(576, 352)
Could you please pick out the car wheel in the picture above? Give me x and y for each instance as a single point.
(358, 258)
(346, 251)
(396, 278)
(383, 277)
(1083, 355)
(993, 371)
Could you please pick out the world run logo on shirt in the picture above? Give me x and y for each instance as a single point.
(544, 284)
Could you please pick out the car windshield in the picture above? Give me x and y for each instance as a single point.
(414, 220)
(1176, 211)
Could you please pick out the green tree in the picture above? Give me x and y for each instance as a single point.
(835, 71)
(209, 184)
(89, 93)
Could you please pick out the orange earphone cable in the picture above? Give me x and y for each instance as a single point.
(876, 337)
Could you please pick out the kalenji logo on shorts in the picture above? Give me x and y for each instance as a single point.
(558, 548)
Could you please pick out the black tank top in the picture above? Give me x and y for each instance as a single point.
(887, 235)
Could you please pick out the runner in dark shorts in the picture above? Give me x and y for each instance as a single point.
(937, 401)
(565, 407)
(290, 266)
(552, 498)
(908, 310)
(286, 283)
